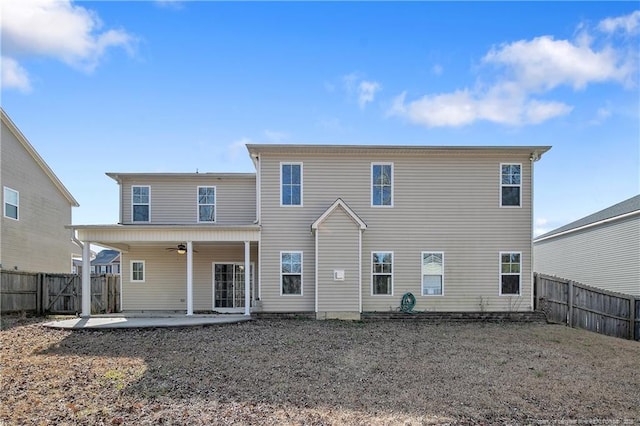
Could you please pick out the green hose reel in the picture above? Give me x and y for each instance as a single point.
(407, 303)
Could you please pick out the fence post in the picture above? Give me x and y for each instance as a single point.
(39, 295)
(570, 304)
(632, 318)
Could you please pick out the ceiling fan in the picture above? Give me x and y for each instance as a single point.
(180, 249)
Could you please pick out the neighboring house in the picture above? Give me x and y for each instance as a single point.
(106, 262)
(336, 230)
(36, 207)
(600, 250)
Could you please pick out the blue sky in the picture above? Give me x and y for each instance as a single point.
(167, 86)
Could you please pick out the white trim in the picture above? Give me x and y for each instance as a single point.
(316, 270)
(587, 226)
(252, 267)
(215, 204)
(393, 179)
(141, 204)
(519, 206)
(532, 216)
(247, 278)
(360, 270)
(338, 203)
(519, 253)
(301, 273)
(189, 278)
(292, 163)
(422, 273)
(259, 190)
(144, 271)
(392, 272)
(5, 202)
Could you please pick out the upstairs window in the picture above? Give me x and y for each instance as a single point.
(382, 273)
(11, 202)
(382, 184)
(510, 266)
(206, 204)
(510, 185)
(140, 197)
(291, 184)
(432, 273)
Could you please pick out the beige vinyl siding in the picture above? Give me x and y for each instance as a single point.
(444, 201)
(338, 245)
(174, 199)
(38, 241)
(605, 256)
(165, 286)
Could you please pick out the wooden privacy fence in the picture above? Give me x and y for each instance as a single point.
(56, 293)
(586, 307)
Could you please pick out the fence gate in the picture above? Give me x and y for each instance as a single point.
(57, 293)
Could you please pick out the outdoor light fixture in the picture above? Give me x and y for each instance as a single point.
(182, 249)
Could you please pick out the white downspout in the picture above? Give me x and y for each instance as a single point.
(316, 267)
(247, 278)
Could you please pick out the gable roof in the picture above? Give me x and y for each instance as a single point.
(617, 211)
(105, 257)
(346, 208)
(37, 158)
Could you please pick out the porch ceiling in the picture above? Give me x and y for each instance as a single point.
(121, 236)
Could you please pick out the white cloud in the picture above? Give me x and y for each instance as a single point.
(527, 70)
(363, 90)
(235, 148)
(60, 30)
(275, 136)
(542, 226)
(437, 69)
(366, 92)
(170, 4)
(463, 107)
(543, 63)
(14, 76)
(628, 24)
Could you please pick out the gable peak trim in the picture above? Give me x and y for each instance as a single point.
(339, 203)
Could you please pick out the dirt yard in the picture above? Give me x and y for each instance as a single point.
(313, 372)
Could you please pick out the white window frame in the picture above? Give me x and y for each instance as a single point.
(141, 204)
(215, 204)
(144, 271)
(5, 203)
(510, 185)
(500, 273)
(301, 273)
(292, 163)
(373, 274)
(392, 185)
(422, 274)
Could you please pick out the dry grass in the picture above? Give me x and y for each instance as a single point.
(313, 372)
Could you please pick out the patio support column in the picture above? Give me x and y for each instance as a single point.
(86, 280)
(247, 278)
(189, 278)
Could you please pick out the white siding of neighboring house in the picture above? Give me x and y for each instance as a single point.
(445, 202)
(165, 286)
(38, 241)
(605, 256)
(174, 198)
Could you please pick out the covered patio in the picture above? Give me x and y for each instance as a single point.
(152, 243)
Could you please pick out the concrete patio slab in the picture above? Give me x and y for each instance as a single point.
(124, 321)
